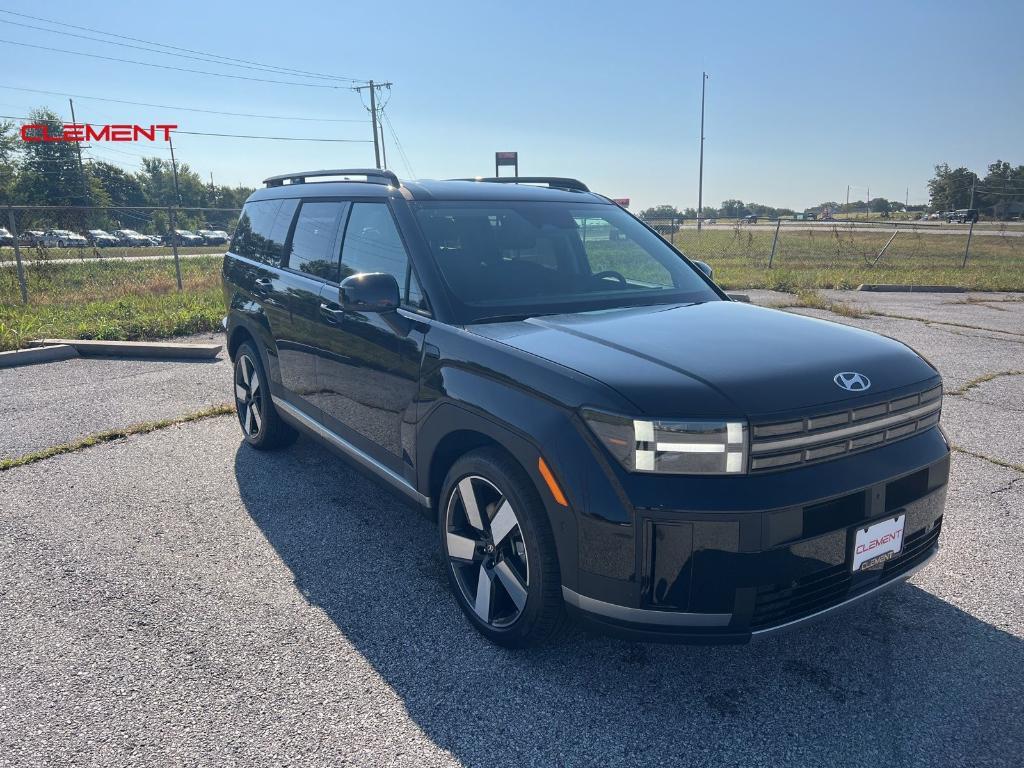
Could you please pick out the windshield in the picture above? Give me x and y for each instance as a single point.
(513, 258)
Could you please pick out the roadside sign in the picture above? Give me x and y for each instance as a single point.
(622, 202)
(506, 158)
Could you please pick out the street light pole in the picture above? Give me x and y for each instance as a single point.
(700, 177)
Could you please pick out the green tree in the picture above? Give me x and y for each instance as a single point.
(663, 211)
(9, 146)
(1001, 192)
(50, 174)
(950, 189)
(732, 209)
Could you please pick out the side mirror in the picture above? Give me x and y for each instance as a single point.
(369, 292)
(704, 267)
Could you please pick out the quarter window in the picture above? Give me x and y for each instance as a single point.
(262, 230)
(315, 240)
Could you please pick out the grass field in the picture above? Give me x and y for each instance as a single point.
(118, 299)
(837, 258)
(111, 300)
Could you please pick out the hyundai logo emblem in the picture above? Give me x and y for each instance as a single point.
(852, 381)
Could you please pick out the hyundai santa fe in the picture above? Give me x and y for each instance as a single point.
(597, 428)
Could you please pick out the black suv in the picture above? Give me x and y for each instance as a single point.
(597, 428)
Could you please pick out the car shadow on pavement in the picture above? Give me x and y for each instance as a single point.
(905, 679)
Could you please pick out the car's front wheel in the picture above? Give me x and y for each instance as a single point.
(496, 538)
(261, 425)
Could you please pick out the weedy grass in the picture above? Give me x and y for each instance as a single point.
(809, 299)
(111, 300)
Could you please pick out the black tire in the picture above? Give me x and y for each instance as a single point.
(524, 606)
(262, 427)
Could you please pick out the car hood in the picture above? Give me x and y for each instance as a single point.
(716, 358)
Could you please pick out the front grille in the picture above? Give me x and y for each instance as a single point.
(819, 438)
(781, 603)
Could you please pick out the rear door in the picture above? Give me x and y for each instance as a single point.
(311, 263)
(368, 364)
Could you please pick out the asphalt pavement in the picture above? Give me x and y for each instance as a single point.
(177, 598)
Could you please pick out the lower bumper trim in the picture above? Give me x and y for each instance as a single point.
(849, 601)
(643, 615)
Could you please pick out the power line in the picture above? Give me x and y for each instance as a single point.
(176, 69)
(273, 138)
(189, 109)
(283, 70)
(205, 59)
(398, 143)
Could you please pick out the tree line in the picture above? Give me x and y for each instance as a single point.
(997, 195)
(49, 173)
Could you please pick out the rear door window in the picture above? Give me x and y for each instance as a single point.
(315, 240)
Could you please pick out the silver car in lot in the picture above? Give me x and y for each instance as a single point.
(63, 238)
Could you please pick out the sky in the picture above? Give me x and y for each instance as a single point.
(801, 101)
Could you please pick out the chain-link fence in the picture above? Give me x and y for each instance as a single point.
(56, 251)
(774, 253)
(110, 273)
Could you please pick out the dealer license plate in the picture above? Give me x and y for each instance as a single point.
(877, 543)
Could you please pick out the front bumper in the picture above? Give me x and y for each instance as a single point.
(729, 576)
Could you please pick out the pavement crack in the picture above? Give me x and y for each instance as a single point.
(113, 434)
(946, 323)
(990, 459)
(979, 380)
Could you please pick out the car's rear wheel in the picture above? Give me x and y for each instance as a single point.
(496, 538)
(260, 422)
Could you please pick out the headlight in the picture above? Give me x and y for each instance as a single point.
(684, 447)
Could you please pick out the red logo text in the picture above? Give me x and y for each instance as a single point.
(40, 132)
(875, 543)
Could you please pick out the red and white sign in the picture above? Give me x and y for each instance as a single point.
(622, 202)
(877, 543)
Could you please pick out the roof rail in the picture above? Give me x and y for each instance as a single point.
(555, 182)
(373, 176)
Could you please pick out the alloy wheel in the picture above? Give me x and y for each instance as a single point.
(487, 551)
(248, 396)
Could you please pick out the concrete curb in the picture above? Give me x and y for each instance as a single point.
(165, 349)
(47, 354)
(888, 288)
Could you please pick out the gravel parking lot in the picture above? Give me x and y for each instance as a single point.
(178, 599)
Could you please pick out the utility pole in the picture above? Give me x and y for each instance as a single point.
(373, 88)
(174, 168)
(907, 203)
(847, 199)
(383, 149)
(700, 177)
(973, 182)
(78, 147)
(867, 205)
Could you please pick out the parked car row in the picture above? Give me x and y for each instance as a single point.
(119, 238)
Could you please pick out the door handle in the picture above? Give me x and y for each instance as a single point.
(331, 313)
(264, 283)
